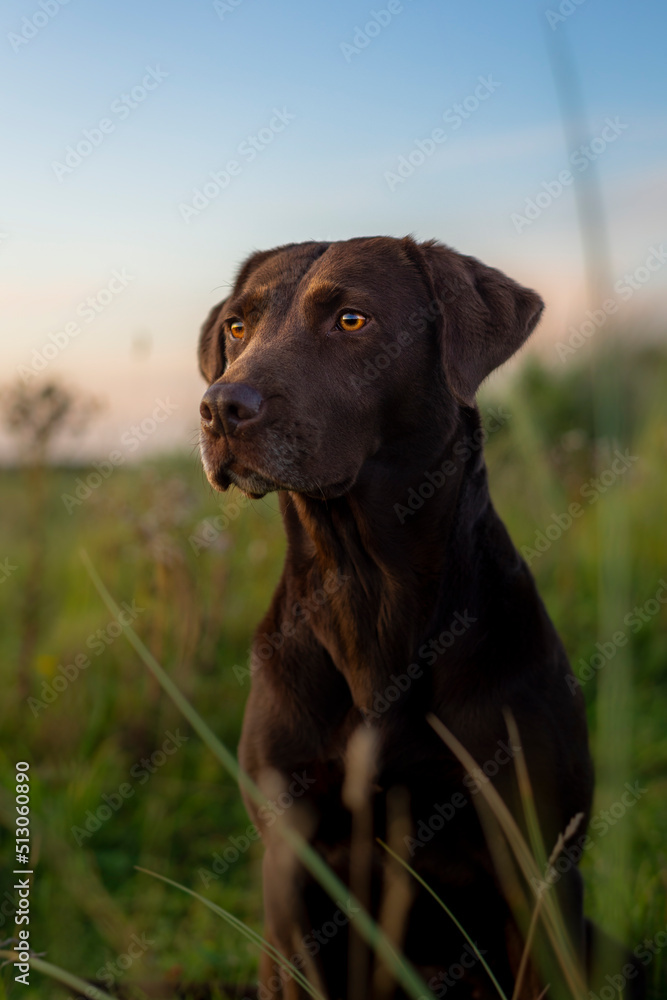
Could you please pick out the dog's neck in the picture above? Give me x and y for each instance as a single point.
(393, 556)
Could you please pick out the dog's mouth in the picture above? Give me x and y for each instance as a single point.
(254, 484)
(224, 469)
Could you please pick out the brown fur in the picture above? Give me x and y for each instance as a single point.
(301, 407)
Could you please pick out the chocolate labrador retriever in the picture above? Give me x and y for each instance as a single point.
(343, 375)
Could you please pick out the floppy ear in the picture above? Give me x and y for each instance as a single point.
(484, 316)
(212, 346)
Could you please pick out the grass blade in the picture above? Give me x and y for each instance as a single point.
(449, 913)
(523, 964)
(61, 976)
(404, 972)
(552, 917)
(248, 932)
(526, 792)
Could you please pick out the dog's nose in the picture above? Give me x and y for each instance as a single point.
(227, 408)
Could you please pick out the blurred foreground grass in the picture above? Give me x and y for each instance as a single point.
(108, 794)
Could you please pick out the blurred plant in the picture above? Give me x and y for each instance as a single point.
(156, 530)
(35, 414)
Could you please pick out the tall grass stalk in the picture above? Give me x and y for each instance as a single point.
(60, 976)
(552, 918)
(613, 737)
(404, 972)
(243, 929)
(452, 917)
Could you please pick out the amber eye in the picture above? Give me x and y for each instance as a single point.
(351, 321)
(237, 329)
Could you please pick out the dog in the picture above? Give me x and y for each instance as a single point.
(343, 376)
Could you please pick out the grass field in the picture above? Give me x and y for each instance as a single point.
(119, 780)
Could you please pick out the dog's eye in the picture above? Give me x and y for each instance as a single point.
(237, 329)
(350, 321)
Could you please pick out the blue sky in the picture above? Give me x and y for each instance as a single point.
(218, 76)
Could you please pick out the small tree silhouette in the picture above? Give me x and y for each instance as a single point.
(35, 414)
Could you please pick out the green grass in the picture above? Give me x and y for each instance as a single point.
(199, 611)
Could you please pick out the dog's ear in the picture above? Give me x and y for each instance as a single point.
(483, 316)
(212, 346)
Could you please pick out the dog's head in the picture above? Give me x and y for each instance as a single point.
(325, 354)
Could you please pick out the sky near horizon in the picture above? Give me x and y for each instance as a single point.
(148, 148)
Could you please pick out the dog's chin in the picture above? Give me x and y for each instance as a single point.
(251, 483)
(256, 484)
(224, 469)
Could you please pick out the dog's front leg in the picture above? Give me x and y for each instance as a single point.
(287, 927)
